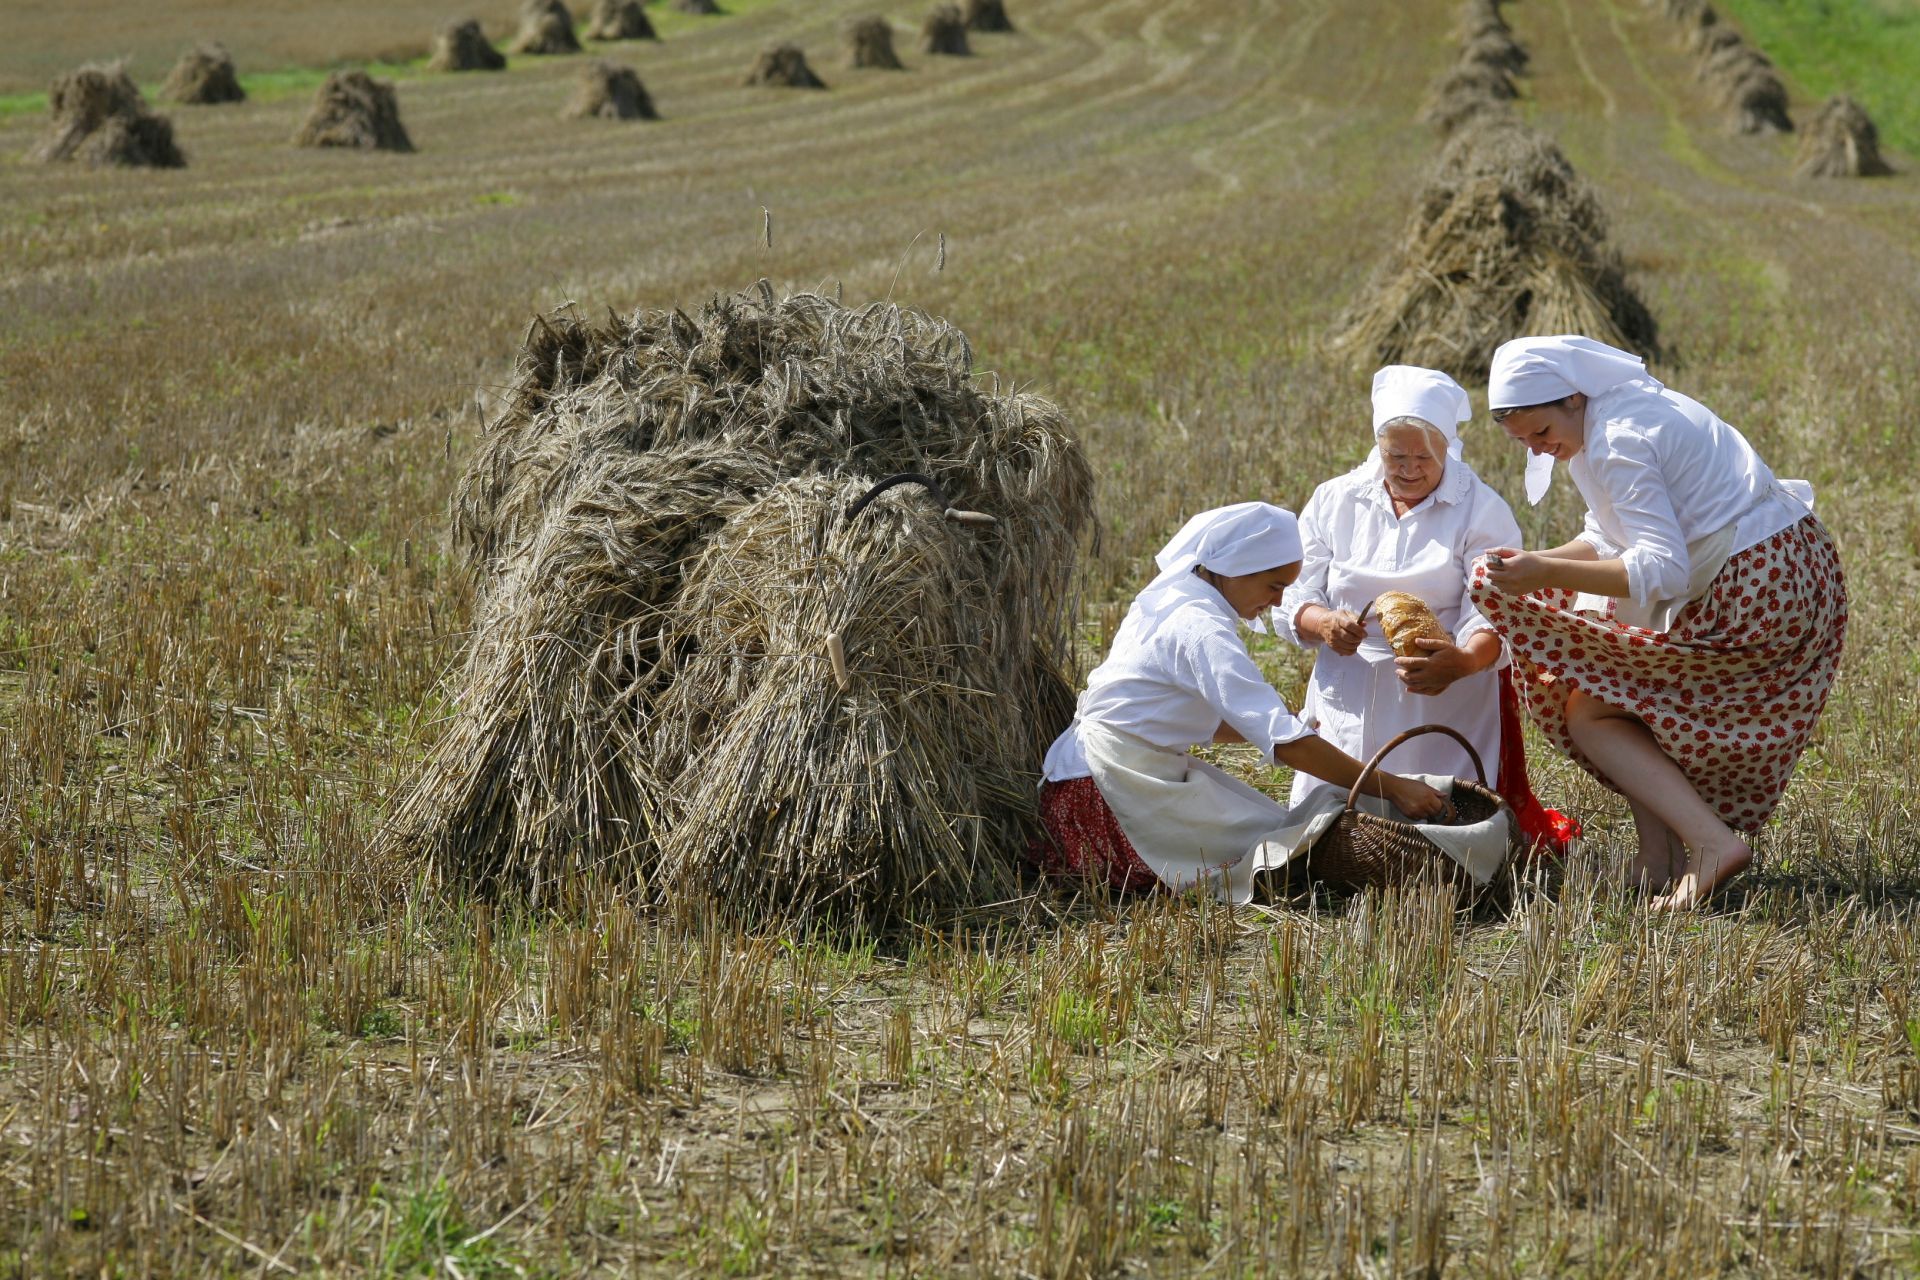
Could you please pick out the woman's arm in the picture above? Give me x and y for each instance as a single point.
(1517, 572)
(1315, 755)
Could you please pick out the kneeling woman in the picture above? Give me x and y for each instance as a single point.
(1682, 648)
(1123, 802)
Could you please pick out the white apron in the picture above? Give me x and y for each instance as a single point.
(1359, 702)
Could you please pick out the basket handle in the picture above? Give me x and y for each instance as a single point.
(1366, 772)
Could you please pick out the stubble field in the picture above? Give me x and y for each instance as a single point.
(233, 402)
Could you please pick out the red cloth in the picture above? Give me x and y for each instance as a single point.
(1083, 839)
(1543, 830)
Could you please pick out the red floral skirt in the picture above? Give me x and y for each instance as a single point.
(1083, 840)
(1731, 693)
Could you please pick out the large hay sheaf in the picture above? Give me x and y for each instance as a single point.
(1507, 240)
(546, 29)
(99, 118)
(695, 673)
(1841, 142)
(608, 91)
(945, 32)
(204, 76)
(619, 20)
(987, 15)
(1468, 90)
(463, 46)
(870, 44)
(783, 66)
(352, 109)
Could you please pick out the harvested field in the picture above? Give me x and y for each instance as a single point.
(235, 400)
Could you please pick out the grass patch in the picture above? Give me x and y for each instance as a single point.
(1869, 48)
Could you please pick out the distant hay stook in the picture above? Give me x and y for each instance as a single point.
(619, 20)
(609, 91)
(1841, 142)
(1506, 241)
(99, 118)
(463, 46)
(987, 15)
(784, 66)
(701, 669)
(869, 43)
(546, 29)
(945, 32)
(700, 8)
(352, 109)
(204, 76)
(1468, 90)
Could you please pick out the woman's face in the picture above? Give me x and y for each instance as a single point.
(1251, 594)
(1414, 459)
(1557, 430)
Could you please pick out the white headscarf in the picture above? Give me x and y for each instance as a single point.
(1408, 391)
(1530, 371)
(1247, 537)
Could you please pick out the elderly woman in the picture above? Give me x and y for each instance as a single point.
(1680, 649)
(1411, 518)
(1123, 801)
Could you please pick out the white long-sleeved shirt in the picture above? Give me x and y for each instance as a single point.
(1660, 471)
(1356, 547)
(1177, 671)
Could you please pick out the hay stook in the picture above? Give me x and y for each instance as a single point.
(869, 44)
(699, 8)
(352, 109)
(698, 671)
(607, 90)
(204, 76)
(783, 66)
(987, 15)
(945, 32)
(99, 118)
(546, 29)
(1506, 240)
(1841, 142)
(463, 46)
(619, 20)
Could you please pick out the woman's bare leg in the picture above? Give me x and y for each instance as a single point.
(1662, 856)
(1625, 750)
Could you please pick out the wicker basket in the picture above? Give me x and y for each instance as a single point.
(1362, 850)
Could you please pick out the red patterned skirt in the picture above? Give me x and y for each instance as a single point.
(1083, 840)
(1731, 693)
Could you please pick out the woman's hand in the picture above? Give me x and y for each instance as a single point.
(1516, 572)
(1433, 673)
(1341, 630)
(1415, 799)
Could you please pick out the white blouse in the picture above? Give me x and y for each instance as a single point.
(1177, 671)
(1660, 471)
(1356, 547)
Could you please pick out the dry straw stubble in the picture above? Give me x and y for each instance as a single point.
(609, 91)
(463, 46)
(204, 76)
(99, 118)
(352, 109)
(658, 524)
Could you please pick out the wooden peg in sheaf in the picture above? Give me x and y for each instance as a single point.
(837, 655)
(958, 516)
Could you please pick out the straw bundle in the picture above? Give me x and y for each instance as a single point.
(870, 44)
(619, 20)
(699, 7)
(945, 32)
(352, 109)
(1479, 18)
(698, 671)
(1495, 49)
(784, 66)
(1468, 90)
(1507, 240)
(100, 118)
(1709, 43)
(203, 77)
(463, 46)
(987, 15)
(546, 27)
(1841, 142)
(608, 91)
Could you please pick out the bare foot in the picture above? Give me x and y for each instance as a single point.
(1704, 874)
(1649, 872)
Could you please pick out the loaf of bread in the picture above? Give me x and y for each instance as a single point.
(1405, 618)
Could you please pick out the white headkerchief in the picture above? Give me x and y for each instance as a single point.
(1408, 391)
(1530, 371)
(1247, 537)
